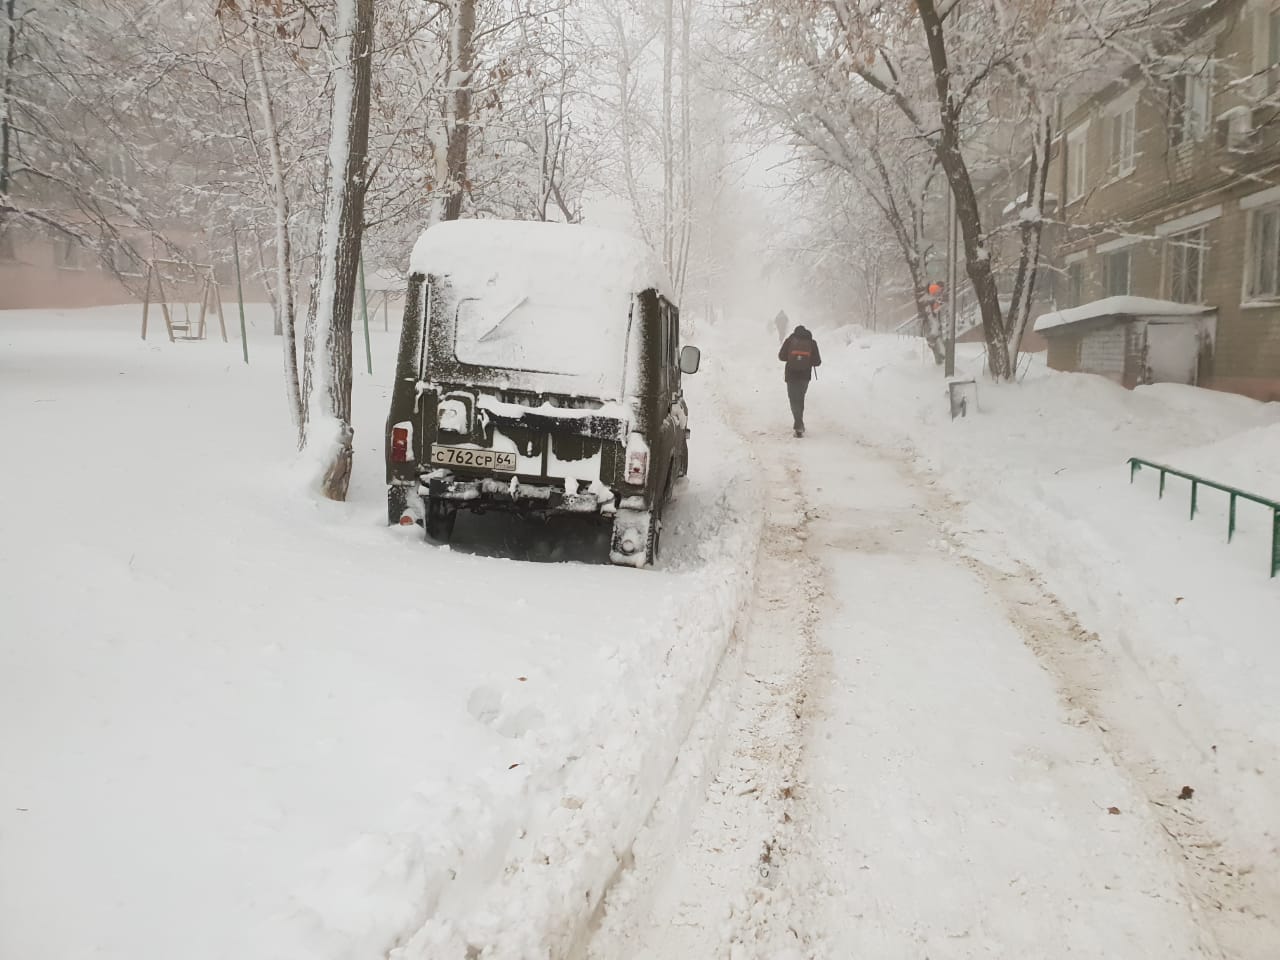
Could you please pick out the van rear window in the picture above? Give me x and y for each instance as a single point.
(540, 335)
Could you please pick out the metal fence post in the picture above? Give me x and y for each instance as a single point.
(1275, 542)
(235, 255)
(364, 311)
(1234, 495)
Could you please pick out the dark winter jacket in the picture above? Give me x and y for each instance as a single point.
(800, 353)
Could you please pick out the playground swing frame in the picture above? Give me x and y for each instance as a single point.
(210, 295)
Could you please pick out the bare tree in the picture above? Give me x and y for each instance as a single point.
(255, 22)
(983, 60)
(328, 426)
(457, 118)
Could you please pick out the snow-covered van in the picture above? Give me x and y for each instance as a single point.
(539, 372)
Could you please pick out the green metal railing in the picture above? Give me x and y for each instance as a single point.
(1136, 464)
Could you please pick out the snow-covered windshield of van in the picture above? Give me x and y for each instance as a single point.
(537, 333)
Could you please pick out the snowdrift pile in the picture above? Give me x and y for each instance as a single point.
(239, 721)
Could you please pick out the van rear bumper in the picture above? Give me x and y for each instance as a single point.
(516, 495)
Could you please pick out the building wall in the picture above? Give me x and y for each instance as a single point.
(40, 269)
(1136, 210)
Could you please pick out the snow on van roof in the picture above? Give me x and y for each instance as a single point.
(1118, 307)
(479, 253)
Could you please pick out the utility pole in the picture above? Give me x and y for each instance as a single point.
(950, 369)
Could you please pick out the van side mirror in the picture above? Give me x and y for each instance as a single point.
(690, 359)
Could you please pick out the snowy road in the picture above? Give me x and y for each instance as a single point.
(910, 772)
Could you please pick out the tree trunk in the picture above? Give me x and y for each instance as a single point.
(6, 111)
(685, 238)
(668, 145)
(947, 147)
(328, 429)
(285, 309)
(463, 53)
(1031, 227)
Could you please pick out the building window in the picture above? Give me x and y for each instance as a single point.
(1077, 144)
(120, 259)
(120, 168)
(1116, 273)
(1121, 141)
(1190, 103)
(1046, 283)
(1263, 279)
(1075, 283)
(67, 252)
(1186, 266)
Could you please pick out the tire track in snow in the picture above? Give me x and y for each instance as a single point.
(1230, 903)
(705, 868)
(750, 876)
(1230, 911)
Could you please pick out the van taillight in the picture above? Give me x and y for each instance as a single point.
(637, 466)
(399, 444)
(636, 469)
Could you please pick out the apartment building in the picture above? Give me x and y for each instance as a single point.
(1167, 250)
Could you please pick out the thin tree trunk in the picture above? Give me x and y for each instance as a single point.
(328, 427)
(947, 147)
(463, 53)
(668, 146)
(1032, 233)
(625, 67)
(285, 306)
(6, 109)
(686, 150)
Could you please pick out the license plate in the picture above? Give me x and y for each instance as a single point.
(476, 459)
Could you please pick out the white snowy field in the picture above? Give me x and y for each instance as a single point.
(236, 720)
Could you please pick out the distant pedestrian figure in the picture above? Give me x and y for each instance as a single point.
(800, 353)
(781, 322)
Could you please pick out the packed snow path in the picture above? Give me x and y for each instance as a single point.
(911, 768)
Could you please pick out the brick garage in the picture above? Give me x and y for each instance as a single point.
(1132, 341)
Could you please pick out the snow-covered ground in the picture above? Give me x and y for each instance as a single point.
(966, 766)
(1186, 668)
(238, 721)
(951, 714)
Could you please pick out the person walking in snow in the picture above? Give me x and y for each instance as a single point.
(800, 353)
(781, 322)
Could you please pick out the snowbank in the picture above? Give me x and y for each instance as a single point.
(239, 721)
(1188, 621)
